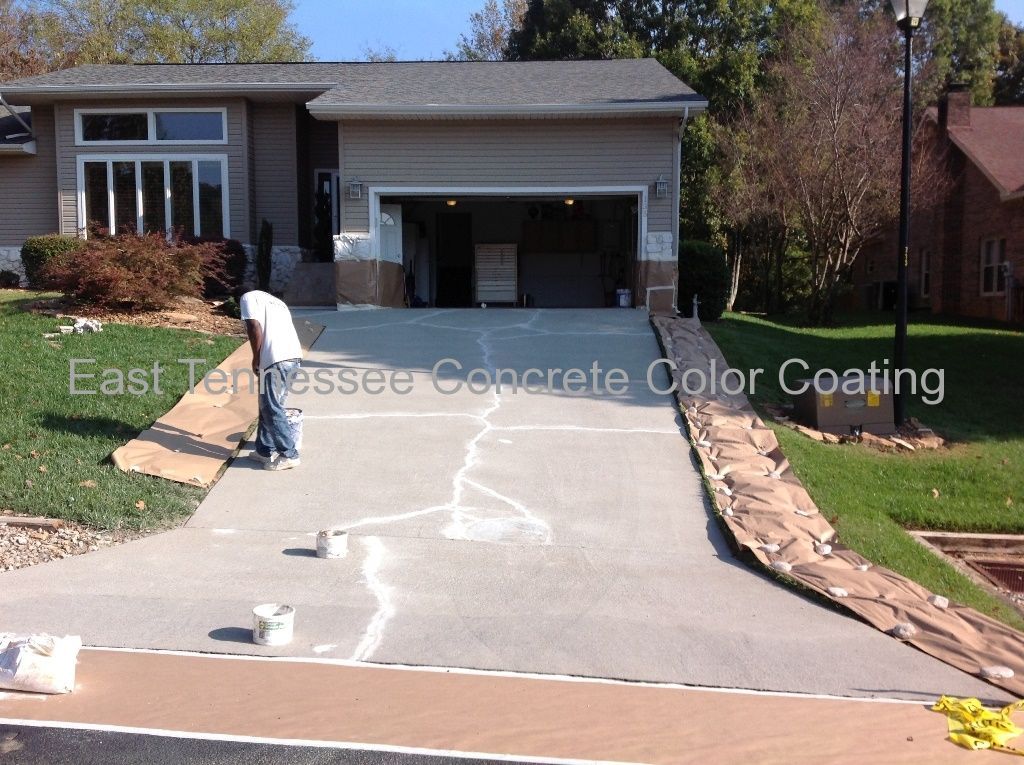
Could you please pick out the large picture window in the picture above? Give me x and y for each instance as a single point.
(146, 193)
(150, 126)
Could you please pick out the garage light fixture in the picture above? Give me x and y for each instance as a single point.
(355, 189)
(451, 202)
(570, 201)
(661, 187)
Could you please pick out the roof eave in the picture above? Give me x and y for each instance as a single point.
(368, 111)
(1005, 194)
(43, 91)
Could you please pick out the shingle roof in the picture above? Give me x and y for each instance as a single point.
(509, 85)
(994, 141)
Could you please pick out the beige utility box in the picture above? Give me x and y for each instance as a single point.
(868, 411)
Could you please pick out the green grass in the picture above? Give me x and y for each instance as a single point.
(43, 426)
(872, 496)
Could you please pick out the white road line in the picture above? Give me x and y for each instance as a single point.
(227, 737)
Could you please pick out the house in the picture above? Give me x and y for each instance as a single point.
(966, 253)
(446, 183)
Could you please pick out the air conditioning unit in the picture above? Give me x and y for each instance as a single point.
(496, 273)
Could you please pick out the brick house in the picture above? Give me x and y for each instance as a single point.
(966, 254)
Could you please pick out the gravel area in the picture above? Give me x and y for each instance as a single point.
(22, 546)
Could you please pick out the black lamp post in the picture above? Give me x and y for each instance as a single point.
(908, 18)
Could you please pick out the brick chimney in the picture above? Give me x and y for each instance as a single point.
(955, 106)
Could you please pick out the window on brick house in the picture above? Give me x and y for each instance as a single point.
(926, 272)
(993, 279)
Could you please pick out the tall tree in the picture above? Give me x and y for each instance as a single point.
(822, 145)
(958, 44)
(20, 55)
(169, 31)
(382, 53)
(489, 31)
(571, 29)
(1009, 84)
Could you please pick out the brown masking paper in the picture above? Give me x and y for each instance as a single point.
(767, 511)
(191, 443)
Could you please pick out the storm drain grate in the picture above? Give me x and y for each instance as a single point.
(1008, 576)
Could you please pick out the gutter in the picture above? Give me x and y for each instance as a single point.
(507, 110)
(29, 147)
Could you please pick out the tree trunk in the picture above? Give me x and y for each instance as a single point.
(735, 268)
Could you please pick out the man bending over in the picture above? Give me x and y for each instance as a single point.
(276, 354)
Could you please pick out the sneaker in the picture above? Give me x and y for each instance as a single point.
(282, 463)
(260, 458)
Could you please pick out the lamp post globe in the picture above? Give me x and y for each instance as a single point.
(908, 18)
(908, 12)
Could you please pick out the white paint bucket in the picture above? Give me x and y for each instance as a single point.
(272, 624)
(294, 417)
(332, 543)
(623, 298)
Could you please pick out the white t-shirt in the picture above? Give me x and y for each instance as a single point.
(280, 341)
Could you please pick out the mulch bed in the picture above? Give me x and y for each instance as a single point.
(186, 313)
(40, 541)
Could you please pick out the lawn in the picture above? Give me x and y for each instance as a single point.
(872, 496)
(55, 447)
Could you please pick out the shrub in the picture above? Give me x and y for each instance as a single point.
(39, 250)
(143, 271)
(230, 277)
(9, 279)
(703, 271)
(264, 255)
(230, 307)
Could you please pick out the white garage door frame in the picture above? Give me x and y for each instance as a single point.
(376, 192)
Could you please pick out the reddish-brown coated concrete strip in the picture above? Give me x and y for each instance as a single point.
(519, 716)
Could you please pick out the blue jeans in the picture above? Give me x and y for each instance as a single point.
(273, 433)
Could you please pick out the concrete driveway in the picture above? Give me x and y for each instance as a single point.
(540, 533)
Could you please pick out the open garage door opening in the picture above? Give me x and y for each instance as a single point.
(543, 251)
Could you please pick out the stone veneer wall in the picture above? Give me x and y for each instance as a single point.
(283, 260)
(659, 246)
(352, 246)
(10, 260)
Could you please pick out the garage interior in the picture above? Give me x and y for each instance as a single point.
(542, 252)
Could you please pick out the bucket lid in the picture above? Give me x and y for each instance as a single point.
(273, 609)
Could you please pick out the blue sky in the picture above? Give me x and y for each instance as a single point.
(417, 29)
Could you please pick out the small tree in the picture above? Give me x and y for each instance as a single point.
(264, 255)
(823, 145)
(702, 272)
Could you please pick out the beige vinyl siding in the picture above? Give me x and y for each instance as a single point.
(238, 171)
(28, 186)
(598, 152)
(275, 170)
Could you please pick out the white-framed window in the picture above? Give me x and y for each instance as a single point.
(926, 272)
(993, 278)
(156, 126)
(154, 192)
